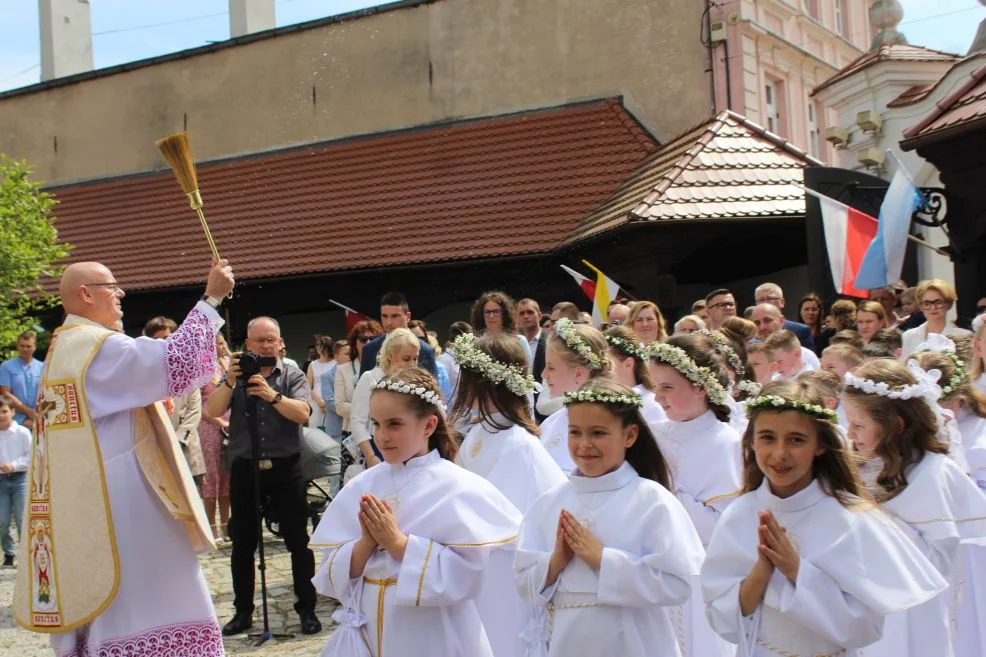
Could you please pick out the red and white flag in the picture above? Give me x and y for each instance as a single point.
(848, 233)
(353, 317)
(587, 284)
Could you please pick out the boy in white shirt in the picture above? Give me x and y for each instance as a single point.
(786, 351)
(15, 455)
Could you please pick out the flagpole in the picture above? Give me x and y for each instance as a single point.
(355, 312)
(622, 289)
(913, 238)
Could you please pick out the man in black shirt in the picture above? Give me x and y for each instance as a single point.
(283, 407)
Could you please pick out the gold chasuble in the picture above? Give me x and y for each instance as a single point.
(70, 568)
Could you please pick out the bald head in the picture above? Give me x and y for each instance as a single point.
(88, 289)
(768, 319)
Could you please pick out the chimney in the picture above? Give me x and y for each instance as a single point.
(66, 38)
(248, 16)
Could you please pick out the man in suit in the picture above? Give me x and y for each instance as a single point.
(771, 293)
(529, 322)
(394, 313)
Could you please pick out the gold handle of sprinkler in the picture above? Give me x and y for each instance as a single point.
(195, 201)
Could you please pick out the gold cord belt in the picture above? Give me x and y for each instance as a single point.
(383, 584)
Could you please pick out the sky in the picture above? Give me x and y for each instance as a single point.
(128, 30)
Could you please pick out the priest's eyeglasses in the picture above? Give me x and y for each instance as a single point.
(112, 286)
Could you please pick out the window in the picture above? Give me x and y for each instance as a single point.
(811, 7)
(771, 117)
(840, 18)
(813, 128)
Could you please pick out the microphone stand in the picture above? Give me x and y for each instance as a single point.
(261, 637)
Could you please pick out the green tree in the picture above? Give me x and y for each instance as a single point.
(29, 248)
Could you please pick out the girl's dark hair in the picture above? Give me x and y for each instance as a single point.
(502, 299)
(457, 329)
(910, 428)
(644, 455)
(835, 468)
(641, 375)
(493, 397)
(441, 439)
(325, 345)
(703, 351)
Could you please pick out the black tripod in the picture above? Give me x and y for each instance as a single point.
(261, 637)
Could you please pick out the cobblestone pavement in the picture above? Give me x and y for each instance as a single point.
(283, 619)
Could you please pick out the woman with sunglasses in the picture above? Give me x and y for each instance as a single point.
(935, 298)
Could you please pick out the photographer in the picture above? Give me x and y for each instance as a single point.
(283, 407)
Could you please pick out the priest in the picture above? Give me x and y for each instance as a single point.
(113, 521)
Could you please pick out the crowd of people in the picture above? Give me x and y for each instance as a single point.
(729, 483)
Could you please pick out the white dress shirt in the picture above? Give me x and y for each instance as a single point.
(15, 447)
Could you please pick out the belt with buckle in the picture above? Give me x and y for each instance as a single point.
(265, 464)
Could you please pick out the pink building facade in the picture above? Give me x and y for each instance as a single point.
(769, 54)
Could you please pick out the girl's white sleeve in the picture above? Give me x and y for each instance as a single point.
(436, 575)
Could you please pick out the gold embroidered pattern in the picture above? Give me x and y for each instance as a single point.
(421, 579)
(501, 542)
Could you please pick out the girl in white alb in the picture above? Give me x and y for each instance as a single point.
(801, 563)
(742, 383)
(601, 557)
(703, 452)
(630, 368)
(406, 542)
(576, 353)
(908, 471)
(502, 446)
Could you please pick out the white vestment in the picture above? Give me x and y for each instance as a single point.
(856, 566)
(945, 513)
(554, 437)
(651, 410)
(520, 467)
(650, 553)
(162, 607)
(706, 463)
(972, 428)
(424, 605)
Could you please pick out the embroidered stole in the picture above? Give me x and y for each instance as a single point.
(69, 570)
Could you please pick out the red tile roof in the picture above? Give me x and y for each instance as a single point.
(912, 95)
(888, 52)
(493, 187)
(961, 109)
(726, 168)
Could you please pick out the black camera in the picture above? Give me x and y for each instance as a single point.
(251, 363)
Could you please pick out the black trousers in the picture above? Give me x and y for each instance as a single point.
(288, 494)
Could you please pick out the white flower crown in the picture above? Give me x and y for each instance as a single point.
(429, 396)
(600, 397)
(937, 342)
(926, 387)
(726, 351)
(778, 403)
(626, 347)
(469, 356)
(565, 329)
(703, 377)
(749, 387)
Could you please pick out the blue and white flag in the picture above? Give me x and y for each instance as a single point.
(884, 259)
